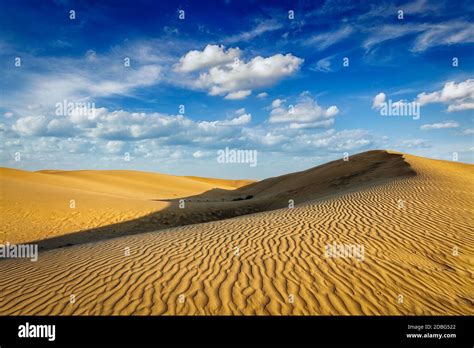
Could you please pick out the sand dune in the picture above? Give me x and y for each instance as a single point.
(50, 203)
(412, 215)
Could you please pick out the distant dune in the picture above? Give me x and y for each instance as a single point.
(51, 203)
(413, 217)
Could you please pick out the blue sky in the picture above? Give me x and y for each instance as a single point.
(250, 75)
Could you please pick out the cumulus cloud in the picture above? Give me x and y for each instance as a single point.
(379, 100)
(440, 125)
(201, 154)
(122, 125)
(334, 141)
(238, 121)
(262, 95)
(458, 96)
(212, 55)
(238, 95)
(306, 113)
(31, 125)
(264, 137)
(276, 103)
(115, 146)
(238, 79)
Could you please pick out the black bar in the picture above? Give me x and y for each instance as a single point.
(326, 330)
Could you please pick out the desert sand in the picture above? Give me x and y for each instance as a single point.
(46, 204)
(413, 217)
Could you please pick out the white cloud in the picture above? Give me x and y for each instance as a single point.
(240, 111)
(91, 55)
(246, 76)
(388, 9)
(332, 111)
(120, 125)
(143, 76)
(305, 111)
(414, 143)
(324, 65)
(88, 77)
(460, 107)
(379, 99)
(441, 125)
(320, 124)
(428, 35)
(43, 91)
(262, 95)
(201, 154)
(333, 141)
(265, 137)
(211, 56)
(31, 125)
(114, 146)
(325, 40)
(458, 96)
(276, 103)
(60, 127)
(238, 121)
(469, 131)
(387, 32)
(261, 28)
(449, 33)
(8, 114)
(238, 95)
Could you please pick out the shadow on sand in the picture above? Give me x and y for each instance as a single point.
(337, 177)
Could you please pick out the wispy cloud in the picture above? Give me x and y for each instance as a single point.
(261, 28)
(440, 125)
(327, 39)
(444, 34)
(323, 65)
(388, 32)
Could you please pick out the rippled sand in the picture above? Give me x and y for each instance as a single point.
(416, 230)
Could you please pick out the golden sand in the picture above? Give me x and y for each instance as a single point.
(46, 204)
(414, 219)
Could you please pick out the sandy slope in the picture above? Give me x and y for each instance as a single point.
(37, 205)
(274, 262)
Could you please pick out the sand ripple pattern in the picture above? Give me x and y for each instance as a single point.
(274, 263)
